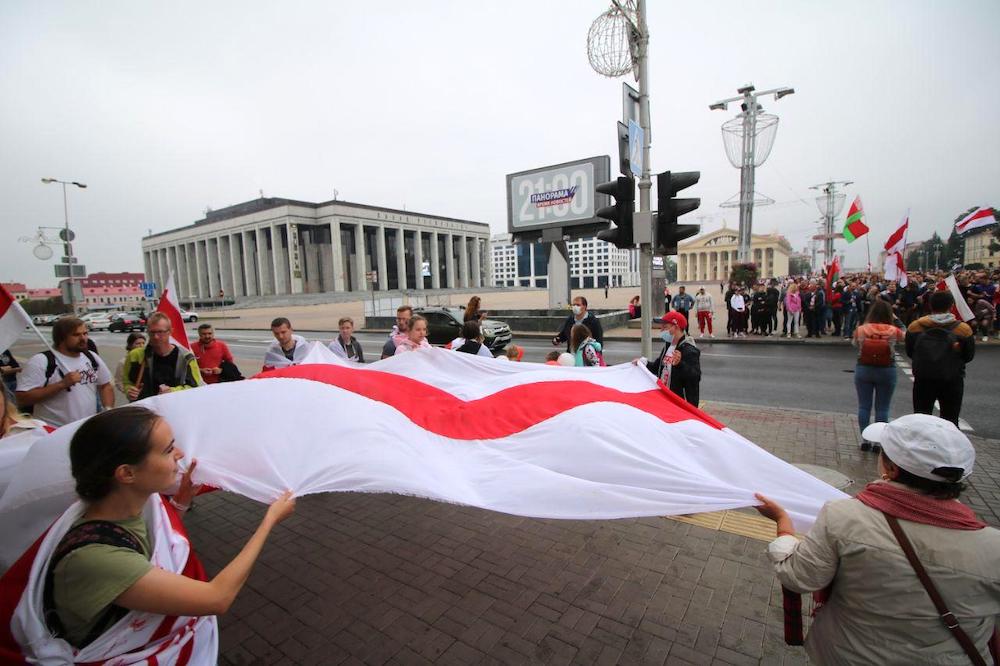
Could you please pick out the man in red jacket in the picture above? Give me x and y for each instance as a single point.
(210, 354)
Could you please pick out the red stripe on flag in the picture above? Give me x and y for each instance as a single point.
(12, 586)
(500, 414)
(978, 215)
(167, 307)
(6, 300)
(897, 235)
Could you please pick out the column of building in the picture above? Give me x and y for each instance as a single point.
(418, 259)
(401, 282)
(435, 261)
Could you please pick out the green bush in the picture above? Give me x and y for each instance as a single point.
(745, 273)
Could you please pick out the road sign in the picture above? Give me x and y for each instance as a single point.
(62, 270)
(630, 103)
(70, 260)
(66, 235)
(77, 291)
(635, 141)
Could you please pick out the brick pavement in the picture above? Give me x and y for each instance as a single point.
(386, 579)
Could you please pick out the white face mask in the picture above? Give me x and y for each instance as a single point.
(577, 309)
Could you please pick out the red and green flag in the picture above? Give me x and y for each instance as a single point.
(855, 226)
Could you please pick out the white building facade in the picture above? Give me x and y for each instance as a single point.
(593, 264)
(272, 246)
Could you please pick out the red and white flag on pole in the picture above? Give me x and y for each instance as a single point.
(170, 306)
(980, 217)
(961, 309)
(13, 319)
(895, 269)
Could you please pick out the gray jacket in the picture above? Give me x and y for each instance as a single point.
(878, 612)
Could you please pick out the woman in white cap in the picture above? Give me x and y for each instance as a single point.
(878, 609)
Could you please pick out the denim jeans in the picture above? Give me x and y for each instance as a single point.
(850, 322)
(880, 381)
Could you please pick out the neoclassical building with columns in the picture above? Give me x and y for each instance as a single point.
(710, 257)
(273, 246)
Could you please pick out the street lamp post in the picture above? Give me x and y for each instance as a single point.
(68, 240)
(755, 131)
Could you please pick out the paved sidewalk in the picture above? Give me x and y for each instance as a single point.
(376, 579)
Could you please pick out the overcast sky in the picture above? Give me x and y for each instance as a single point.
(164, 109)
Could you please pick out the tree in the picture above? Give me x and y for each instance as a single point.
(798, 265)
(45, 306)
(745, 273)
(955, 248)
(670, 268)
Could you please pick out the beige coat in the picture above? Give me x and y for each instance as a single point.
(878, 612)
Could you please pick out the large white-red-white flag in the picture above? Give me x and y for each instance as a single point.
(170, 306)
(521, 438)
(976, 219)
(895, 268)
(13, 319)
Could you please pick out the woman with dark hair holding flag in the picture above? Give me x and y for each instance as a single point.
(115, 577)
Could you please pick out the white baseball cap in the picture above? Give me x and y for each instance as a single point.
(923, 444)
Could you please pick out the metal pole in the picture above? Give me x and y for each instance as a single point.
(750, 140)
(827, 242)
(746, 186)
(645, 183)
(68, 246)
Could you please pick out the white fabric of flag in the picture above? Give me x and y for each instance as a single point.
(521, 438)
(895, 246)
(13, 319)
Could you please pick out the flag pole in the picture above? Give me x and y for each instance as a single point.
(868, 246)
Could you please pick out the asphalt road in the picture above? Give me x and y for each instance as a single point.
(796, 376)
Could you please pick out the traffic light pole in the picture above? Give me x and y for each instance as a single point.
(645, 249)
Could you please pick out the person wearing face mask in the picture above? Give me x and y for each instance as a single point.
(579, 316)
(679, 364)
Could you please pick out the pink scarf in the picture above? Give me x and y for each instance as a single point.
(919, 508)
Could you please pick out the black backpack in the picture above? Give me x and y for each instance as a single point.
(86, 533)
(470, 347)
(50, 367)
(935, 354)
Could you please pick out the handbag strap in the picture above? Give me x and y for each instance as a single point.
(947, 616)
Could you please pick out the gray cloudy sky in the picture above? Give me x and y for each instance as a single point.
(166, 108)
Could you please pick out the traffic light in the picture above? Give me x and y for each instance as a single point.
(669, 208)
(623, 190)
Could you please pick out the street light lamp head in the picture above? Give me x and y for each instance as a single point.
(80, 185)
(48, 180)
(748, 88)
(782, 92)
(718, 106)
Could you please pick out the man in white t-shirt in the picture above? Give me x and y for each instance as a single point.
(68, 385)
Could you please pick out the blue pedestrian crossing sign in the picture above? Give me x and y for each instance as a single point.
(148, 288)
(635, 141)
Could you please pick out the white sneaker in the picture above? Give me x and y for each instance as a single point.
(711, 335)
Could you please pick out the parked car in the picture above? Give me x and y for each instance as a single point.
(444, 324)
(188, 315)
(127, 322)
(98, 322)
(43, 319)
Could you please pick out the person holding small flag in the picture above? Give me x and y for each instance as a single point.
(66, 383)
(160, 366)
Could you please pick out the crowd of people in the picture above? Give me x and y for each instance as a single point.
(836, 309)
